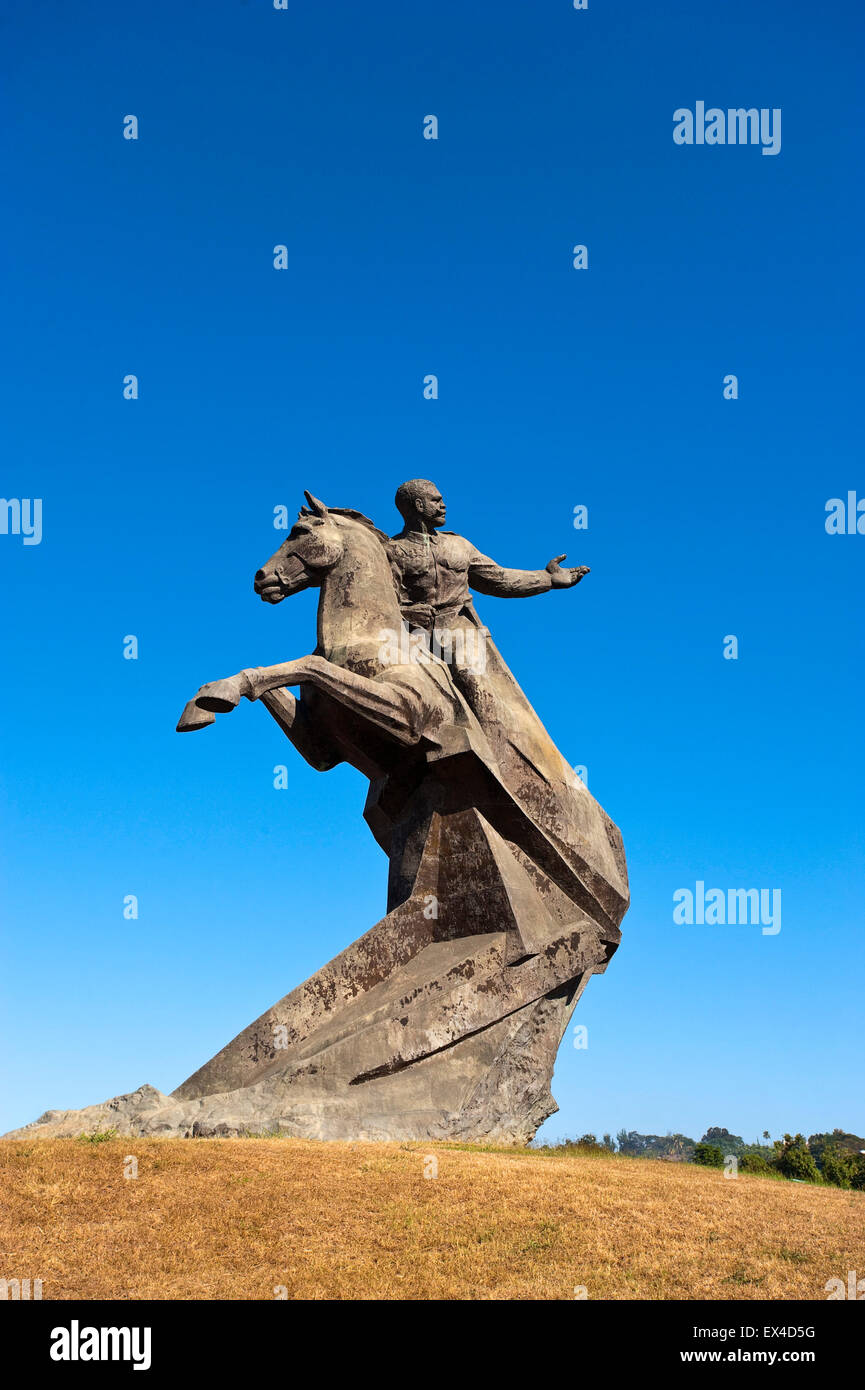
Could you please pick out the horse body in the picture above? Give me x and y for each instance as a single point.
(354, 702)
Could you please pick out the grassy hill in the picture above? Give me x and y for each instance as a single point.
(241, 1218)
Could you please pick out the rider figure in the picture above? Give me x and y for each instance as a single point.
(433, 570)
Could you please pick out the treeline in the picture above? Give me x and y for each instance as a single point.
(837, 1158)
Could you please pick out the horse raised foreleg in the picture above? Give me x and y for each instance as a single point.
(395, 708)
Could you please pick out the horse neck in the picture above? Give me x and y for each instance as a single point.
(358, 600)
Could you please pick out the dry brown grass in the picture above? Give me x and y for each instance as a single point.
(235, 1218)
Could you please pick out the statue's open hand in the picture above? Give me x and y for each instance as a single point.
(564, 579)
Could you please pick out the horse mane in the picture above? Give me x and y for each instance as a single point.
(364, 521)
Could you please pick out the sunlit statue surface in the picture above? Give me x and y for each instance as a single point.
(507, 881)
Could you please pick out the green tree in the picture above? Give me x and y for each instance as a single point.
(628, 1142)
(588, 1141)
(708, 1155)
(838, 1166)
(794, 1159)
(838, 1139)
(730, 1143)
(754, 1162)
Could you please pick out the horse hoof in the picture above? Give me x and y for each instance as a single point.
(194, 718)
(219, 697)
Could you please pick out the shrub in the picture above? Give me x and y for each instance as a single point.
(586, 1144)
(755, 1163)
(794, 1159)
(97, 1136)
(838, 1166)
(708, 1156)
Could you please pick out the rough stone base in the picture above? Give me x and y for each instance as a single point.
(434, 1025)
(504, 1077)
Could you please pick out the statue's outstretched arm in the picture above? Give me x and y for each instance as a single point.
(486, 577)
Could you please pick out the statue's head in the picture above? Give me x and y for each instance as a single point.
(314, 546)
(420, 500)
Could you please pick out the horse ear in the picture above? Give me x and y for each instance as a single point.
(317, 508)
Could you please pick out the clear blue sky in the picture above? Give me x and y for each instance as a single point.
(558, 387)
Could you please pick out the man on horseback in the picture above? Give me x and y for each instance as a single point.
(390, 715)
(434, 572)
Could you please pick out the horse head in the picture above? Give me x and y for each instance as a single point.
(313, 547)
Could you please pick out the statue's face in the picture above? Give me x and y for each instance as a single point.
(430, 505)
(314, 546)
